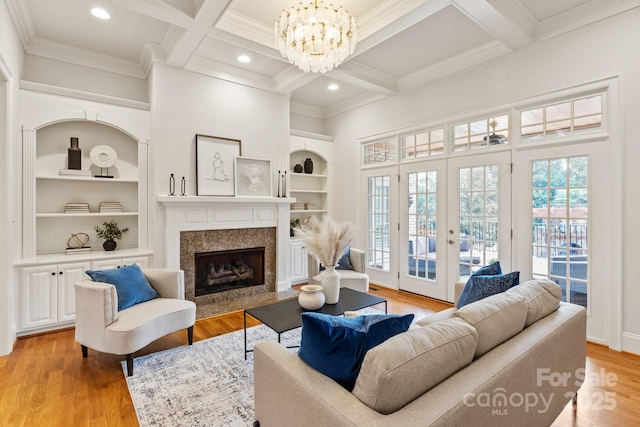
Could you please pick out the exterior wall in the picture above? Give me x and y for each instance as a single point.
(600, 50)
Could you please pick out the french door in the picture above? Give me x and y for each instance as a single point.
(432, 223)
(381, 189)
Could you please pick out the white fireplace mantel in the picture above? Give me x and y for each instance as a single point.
(195, 213)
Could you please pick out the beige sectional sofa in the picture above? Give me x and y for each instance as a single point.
(495, 362)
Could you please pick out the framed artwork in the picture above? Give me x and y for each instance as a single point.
(214, 165)
(253, 177)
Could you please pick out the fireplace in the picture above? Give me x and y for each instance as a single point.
(221, 271)
(199, 224)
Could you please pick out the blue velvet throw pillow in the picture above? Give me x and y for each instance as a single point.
(344, 263)
(489, 270)
(131, 285)
(336, 346)
(479, 287)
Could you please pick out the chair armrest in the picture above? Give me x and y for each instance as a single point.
(168, 283)
(358, 260)
(91, 321)
(313, 268)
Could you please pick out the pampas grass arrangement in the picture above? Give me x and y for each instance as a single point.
(327, 239)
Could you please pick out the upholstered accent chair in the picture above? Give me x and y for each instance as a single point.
(355, 279)
(100, 326)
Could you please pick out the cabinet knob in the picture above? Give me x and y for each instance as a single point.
(61, 272)
(53, 273)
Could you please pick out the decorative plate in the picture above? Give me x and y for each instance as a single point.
(103, 156)
(254, 178)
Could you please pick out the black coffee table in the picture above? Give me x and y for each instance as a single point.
(287, 315)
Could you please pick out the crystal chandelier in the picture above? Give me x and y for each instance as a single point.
(316, 38)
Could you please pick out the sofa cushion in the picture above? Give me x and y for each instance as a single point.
(542, 297)
(437, 317)
(482, 286)
(335, 346)
(496, 318)
(406, 366)
(131, 285)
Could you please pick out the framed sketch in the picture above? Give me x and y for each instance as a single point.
(253, 177)
(214, 165)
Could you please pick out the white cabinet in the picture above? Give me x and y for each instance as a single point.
(47, 275)
(47, 294)
(299, 261)
(107, 264)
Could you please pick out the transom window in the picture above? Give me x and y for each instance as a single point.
(378, 152)
(481, 133)
(422, 144)
(564, 118)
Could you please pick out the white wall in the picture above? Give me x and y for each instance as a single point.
(62, 74)
(604, 49)
(184, 104)
(11, 59)
(307, 124)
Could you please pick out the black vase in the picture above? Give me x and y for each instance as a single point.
(308, 166)
(74, 154)
(298, 168)
(109, 245)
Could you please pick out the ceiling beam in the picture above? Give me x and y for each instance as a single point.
(161, 12)
(184, 48)
(496, 22)
(364, 77)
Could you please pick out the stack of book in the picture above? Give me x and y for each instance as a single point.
(80, 250)
(297, 206)
(76, 208)
(74, 172)
(311, 206)
(110, 207)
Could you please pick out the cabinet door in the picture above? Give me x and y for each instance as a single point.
(142, 261)
(38, 296)
(68, 275)
(298, 262)
(106, 264)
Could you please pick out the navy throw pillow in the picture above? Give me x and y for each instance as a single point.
(131, 285)
(479, 287)
(489, 270)
(344, 263)
(336, 346)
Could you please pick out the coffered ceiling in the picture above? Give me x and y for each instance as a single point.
(401, 43)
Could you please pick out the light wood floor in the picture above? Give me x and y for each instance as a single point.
(46, 382)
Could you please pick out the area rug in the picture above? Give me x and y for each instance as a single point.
(208, 384)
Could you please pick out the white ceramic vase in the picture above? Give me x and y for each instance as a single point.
(330, 280)
(311, 297)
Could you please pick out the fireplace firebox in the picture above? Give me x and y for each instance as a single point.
(225, 270)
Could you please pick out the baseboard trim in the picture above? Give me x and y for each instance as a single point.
(631, 343)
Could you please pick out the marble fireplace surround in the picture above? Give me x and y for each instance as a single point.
(201, 223)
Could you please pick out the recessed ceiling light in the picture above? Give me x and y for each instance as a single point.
(333, 86)
(244, 59)
(100, 13)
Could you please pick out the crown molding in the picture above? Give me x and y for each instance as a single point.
(352, 103)
(21, 21)
(247, 28)
(581, 16)
(79, 94)
(229, 73)
(84, 57)
(467, 59)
